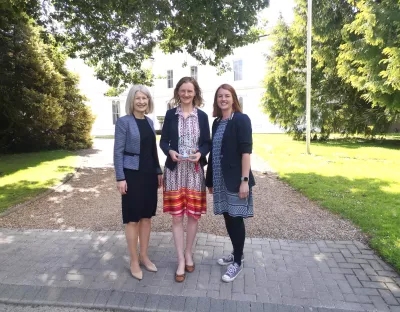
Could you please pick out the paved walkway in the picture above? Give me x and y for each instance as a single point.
(90, 269)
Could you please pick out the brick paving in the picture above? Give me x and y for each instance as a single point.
(90, 269)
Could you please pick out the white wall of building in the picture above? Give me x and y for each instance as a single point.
(249, 88)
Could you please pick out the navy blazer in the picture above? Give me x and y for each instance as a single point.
(170, 136)
(127, 145)
(237, 140)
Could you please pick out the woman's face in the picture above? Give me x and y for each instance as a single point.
(224, 99)
(186, 93)
(140, 102)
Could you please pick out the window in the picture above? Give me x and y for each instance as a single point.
(193, 72)
(170, 78)
(241, 103)
(238, 70)
(115, 111)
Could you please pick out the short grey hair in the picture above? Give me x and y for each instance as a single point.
(131, 97)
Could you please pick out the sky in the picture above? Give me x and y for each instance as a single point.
(276, 7)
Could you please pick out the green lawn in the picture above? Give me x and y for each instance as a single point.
(23, 176)
(356, 178)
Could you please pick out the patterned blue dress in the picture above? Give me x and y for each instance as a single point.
(225, 201)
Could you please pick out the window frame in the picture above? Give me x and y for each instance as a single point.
(237, 70)
(170, 78)
(194, 72)
(116, 110)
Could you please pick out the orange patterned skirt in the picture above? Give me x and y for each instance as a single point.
(185, 191)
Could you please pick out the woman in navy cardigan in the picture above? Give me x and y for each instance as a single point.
(185, 139)
(229, 177)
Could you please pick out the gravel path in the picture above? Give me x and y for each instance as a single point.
(90, 201)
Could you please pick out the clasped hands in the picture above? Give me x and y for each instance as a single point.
(178, 157)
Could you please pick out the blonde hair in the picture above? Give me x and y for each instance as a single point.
(131, 97)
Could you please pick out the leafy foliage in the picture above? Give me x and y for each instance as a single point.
(337, 106)
(114, 91)
(369, 57)
(116, 37)
(41, 106)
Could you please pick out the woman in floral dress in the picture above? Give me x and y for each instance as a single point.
(185, 140)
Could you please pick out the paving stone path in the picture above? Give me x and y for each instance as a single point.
(85, 270)
(90, 270)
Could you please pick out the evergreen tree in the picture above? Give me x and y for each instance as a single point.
(369, 57)
(336, 105)
(35, 91)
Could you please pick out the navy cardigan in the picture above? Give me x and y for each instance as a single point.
(237, 140)
(170, 136)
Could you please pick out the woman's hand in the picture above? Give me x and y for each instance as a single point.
(174, 155)
(194, 157)
(244, 190)
(210, 190)
(160, 180)
(122, 187)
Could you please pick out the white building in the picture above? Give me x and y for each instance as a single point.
(248, 71)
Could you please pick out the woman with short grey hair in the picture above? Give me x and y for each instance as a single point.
(138, 175)
(131, 95)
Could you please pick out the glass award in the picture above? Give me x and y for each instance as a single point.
(189, 147)
(184, 155)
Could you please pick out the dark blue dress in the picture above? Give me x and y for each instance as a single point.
(225, 201)
(141, 198)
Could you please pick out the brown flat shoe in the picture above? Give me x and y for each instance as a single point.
(189, 268)
(179, 278)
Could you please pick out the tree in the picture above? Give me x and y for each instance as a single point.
(285, 93)
(369, 57)
(336, 106)
(30, 86)
(116, 37)
(36, 91)
(77, 126)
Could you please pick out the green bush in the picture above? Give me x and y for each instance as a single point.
(40, 106)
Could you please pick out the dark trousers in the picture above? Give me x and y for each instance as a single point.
(237, 233)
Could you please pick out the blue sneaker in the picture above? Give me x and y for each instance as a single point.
(228, 259)
(232, 272)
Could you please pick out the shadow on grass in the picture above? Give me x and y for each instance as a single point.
(354, 143)
(11, 163)
(363, 201)
(21, 191)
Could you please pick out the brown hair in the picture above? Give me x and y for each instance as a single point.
(198, 99)
(235, 106)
